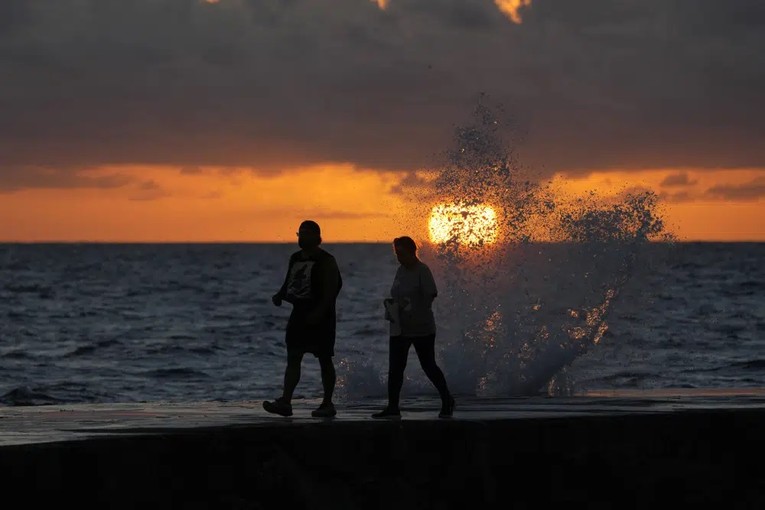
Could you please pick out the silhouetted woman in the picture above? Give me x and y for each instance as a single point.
(412, 323)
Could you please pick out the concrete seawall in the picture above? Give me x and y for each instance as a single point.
(603, 459)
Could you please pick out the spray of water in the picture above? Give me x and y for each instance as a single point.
(527, 272)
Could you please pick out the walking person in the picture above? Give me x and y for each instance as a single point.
(412, 323)
(312, 284)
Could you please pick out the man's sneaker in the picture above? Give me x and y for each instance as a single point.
(325, 410)
(447, 408)
(388, 413)
(278, 406)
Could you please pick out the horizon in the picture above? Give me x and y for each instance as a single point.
(339, 243)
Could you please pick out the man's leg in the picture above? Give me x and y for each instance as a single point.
(283, 405)
(292, 374)
(328, 377)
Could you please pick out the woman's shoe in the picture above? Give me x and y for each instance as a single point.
(325, 410)
(389, 413)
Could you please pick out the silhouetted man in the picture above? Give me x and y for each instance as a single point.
(312, 284)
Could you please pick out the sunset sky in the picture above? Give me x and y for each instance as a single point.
(233, 120)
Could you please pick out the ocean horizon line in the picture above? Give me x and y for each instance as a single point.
(326, 243)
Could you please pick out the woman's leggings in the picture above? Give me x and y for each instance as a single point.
(425, 348)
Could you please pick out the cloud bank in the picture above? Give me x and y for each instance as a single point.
(590, 84)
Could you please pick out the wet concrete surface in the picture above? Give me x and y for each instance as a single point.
(604, 450)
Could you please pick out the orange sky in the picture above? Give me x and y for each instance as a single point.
(162, 204)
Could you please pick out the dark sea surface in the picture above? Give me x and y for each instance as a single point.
(148, 322)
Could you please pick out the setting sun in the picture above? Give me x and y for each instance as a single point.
(466, 224)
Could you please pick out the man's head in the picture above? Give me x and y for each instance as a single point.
(309, 235)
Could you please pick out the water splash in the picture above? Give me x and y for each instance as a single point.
(515, 312)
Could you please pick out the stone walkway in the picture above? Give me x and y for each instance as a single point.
(54, 423)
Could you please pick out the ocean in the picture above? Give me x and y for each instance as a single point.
(98, 323)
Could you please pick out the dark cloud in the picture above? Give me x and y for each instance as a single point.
(14, 15)
(345, 215)
(320, 215)
(409, 181)
(678, 179)
(264, 84)
(754, 190)
(19, 178)
(149, 190)
(680, 196)
(148, 186)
